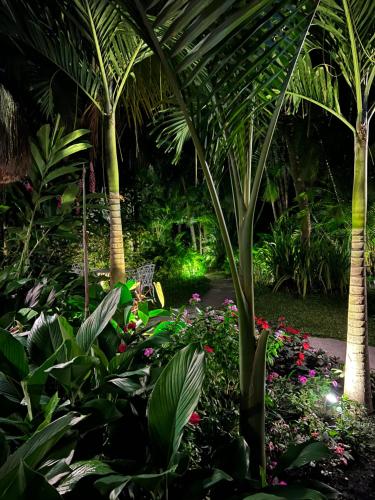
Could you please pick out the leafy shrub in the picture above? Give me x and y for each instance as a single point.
(323, 264)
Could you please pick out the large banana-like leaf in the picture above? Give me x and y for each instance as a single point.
(12, 356)
(98, 320)
(172, 401)
(26, 480)
(34, 449)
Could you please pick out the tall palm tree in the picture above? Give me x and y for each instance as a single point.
(223, 60)
(349, 41)
(97, 48)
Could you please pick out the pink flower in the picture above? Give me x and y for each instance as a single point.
(195, 298)
(122, 347)
(334, 383)
(227, 302)
(208, 349)
(283, 483)
(194, 418)
(233, 308)
(28, 187)
(272, 376)
(302, 379)
(339, 450)
(312, 373)
(149, 351)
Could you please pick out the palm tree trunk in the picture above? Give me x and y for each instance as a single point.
(357, 369)
(117, 259)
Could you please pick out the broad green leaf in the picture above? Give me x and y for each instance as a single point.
(126, 384)
(28, 483)
(81, 470)
(143, 312)
(68, 197)
(35, 448)
(12, 356)
(158, 312)
(9, 390)
(68, 138)
(115, 484)
(126, 297)
(33, 384)
(302, 454)
(72, 374)
(60, 172)
(38, 160)
(165, 326)
(49, 410)
(98, 320)
(69, 150)
(173, 400)
(43, 136)
(44, 338)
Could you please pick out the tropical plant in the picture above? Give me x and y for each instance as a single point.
(224, 61)
(86, 379)
(96, 47)
(347, 38)
(51, 148)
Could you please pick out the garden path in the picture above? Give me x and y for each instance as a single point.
(222, 288)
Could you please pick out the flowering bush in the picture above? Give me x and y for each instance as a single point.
(303, 389)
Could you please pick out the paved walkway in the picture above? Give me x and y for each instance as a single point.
(222, 288)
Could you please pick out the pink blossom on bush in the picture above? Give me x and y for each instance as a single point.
(195, 298)
(312, 373)
(149, 351)
(228, 302)
(302, 379)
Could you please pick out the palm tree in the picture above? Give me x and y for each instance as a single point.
(349, 40)
(224, 61)
(90, 42)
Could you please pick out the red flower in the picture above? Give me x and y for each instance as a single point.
(59, 202)
(301, 356)
(122, 347)
(194, 418)
(299, 362)
(209, 349)
(294, 331)
(132, 325)
(306, 345)
(305, 336)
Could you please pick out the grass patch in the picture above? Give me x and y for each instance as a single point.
(320, 315)
(177, 292)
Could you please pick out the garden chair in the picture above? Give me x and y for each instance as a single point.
(144, 275)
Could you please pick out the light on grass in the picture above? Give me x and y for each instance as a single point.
(193, 265)
(332, 398)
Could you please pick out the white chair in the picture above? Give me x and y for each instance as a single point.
(144, 275)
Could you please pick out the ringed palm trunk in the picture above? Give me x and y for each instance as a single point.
(117, 259)
(357, 379)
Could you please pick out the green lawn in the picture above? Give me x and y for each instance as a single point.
(177, 292)
(320, 315)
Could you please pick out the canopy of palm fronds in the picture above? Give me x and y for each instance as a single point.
(14, 149)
